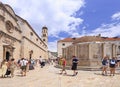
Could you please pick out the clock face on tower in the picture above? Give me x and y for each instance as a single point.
(9, 26)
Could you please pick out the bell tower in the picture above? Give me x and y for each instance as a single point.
(45, 34)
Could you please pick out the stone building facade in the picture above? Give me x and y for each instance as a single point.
(91, 49)
(63, 44)
(17, 37)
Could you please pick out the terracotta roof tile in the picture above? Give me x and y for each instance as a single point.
(112, 39)
(89, 39)
(68, 40)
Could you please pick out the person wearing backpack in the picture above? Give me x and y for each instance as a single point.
(113, 63)
(105, 63)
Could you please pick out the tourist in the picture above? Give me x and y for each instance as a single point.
(60, 61)
(118, 60)
(74, 65)
(31, 64)
(3, 67)
(113, 63)
(105, 63)
(63, 66)
(12, 65)
(42, 62)
(23, 65)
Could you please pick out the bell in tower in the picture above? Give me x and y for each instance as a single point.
(45, 34)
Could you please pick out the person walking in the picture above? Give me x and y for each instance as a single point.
(31, 64)
(42, 62)
(60, 61)
(63, 66)
(113, 63)
(105, 63)
(12, 65)
(23, 65)
(74, 65)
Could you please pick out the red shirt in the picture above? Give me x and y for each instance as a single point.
(64, 62)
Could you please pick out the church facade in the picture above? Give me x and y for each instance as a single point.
(18, 39)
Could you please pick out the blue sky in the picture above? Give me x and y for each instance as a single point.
(70, 18)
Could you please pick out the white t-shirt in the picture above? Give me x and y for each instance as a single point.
(23, 62)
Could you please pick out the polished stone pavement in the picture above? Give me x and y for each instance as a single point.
(49, 77)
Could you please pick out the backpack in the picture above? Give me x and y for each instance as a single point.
(103, 62)
(112, 61)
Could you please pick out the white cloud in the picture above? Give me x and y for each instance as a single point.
(52, 46)
(55, 14)
(109, 30)
(116, 16)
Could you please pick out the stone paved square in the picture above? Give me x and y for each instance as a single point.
(49, 77)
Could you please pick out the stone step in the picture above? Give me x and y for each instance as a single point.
(85, 68)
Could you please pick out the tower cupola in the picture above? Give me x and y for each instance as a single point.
(45, 34)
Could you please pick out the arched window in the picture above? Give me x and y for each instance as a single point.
(31, 33)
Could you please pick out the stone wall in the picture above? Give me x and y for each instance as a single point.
(60, 46)
(90, 54)
(18, 37)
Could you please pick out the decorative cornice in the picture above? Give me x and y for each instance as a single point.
(33, 43)
(8, 36)
(4, 8)
(31, 28)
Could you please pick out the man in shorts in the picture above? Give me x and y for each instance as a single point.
(74, 65)
(23, 65)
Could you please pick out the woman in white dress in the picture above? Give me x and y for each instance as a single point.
(3, 68)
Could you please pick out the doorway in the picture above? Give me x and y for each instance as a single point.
(7, 56)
